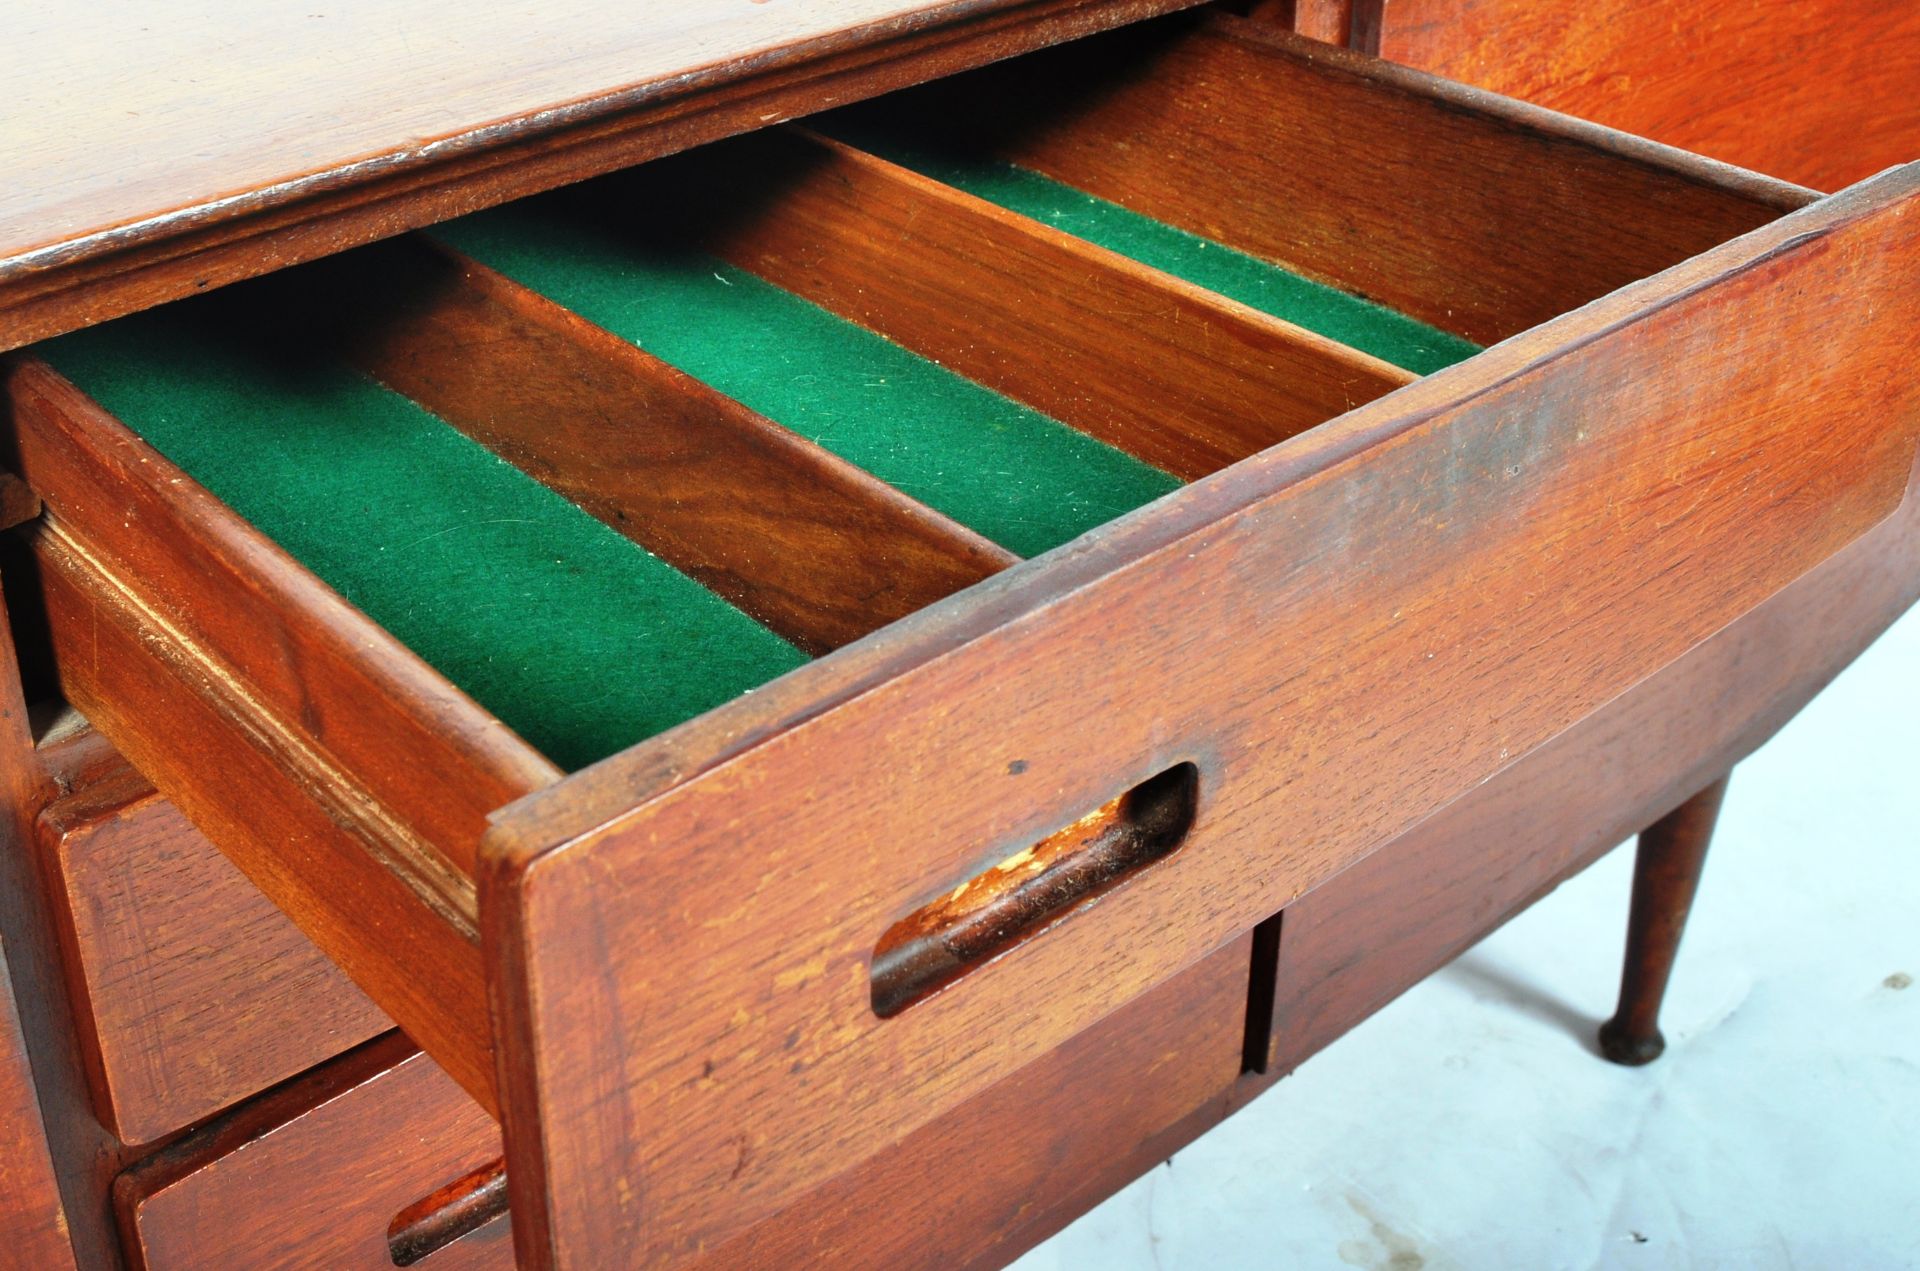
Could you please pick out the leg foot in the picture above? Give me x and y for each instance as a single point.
(1666, 873)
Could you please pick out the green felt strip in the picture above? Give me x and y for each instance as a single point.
(1010, 473)
(577, 639)
(1360, 324)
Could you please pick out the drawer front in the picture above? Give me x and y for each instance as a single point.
(193, 991)
(334, 1171)
(1026, 1156)
(1342, 636)
(1352, 944)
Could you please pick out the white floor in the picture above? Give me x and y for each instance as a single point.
(1469, 1124)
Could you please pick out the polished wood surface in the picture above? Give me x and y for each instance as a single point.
(1655, 497)
(1823, 92)
(193, 991)
(1666, 873)
(305, 132)
(817, 549)
(315, 1174)
(1172, 373)
(345, 778)
(82, 1154)
(419, 963)
(1430, 197)
(1052, 1139)
(1352, 944)
(33, 1223)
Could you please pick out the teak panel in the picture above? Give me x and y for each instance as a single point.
(192, 989)
(1176, 375)
(1361, 938)
(127, 192)
(1479, 215)
(344, 777)
(1816, 91)
(1373, 619)
(314, 1175)
(817, 549)
(1027, 1155)
(33, 1223)
(405, 952)
(376, 719)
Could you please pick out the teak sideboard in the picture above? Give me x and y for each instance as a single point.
(606, 678)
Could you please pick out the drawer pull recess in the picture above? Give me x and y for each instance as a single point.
(1029, 891)
(458, 1209)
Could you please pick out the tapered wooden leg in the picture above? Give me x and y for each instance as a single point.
(1666, 871)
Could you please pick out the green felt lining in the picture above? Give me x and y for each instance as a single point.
(1011, 473)
(1360, 324)
(571, 634)
(574, 637)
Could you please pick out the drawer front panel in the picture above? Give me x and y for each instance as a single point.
(1025, 1157)
(320, 1185)
(1355, 942)
(194, 990)
(317, 1174)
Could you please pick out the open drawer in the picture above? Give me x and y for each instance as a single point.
(708, 923)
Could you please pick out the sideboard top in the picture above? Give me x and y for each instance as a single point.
(148, 119)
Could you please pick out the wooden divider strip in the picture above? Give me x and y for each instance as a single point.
(1481, 215)
(1174, 374)
(815, 548)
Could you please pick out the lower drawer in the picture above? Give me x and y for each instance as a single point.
(1029, 1154)
(380, 1159)
(191, 990)
(377, 1160)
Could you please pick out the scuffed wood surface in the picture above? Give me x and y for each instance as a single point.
(153, 150)
(1823, 92)
(33, 1226)
(193, 991)
(314, 1174)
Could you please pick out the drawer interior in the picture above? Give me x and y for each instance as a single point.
(349, 409)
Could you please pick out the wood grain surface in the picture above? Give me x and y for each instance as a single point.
(196, 567)
(315, 1174)
(1373, 619)
(1176, 375)
(1357, 941)
(1052, 1139)
(1478, 214)
(817, 549)
(192, 989)
(33, 1223)
(152, 159)
(1823, 92)
(81, 1153)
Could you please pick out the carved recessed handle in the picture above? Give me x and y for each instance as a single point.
(458, 1209)
(1031, 890)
